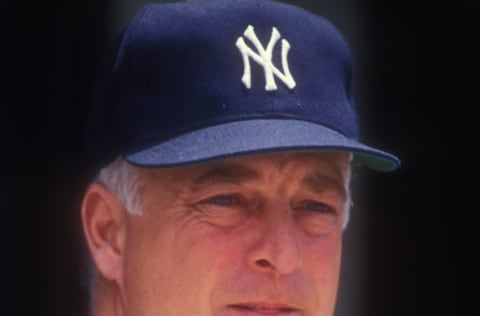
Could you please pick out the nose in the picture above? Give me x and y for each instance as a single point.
(276, 248)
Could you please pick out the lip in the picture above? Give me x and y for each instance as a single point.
(263, 309)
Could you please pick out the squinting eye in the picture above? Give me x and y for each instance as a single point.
(224, 200)
(223, 210)
(320, 208)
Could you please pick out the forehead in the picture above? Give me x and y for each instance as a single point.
(332, 164)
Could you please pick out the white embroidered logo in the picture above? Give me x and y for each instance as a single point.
(264, 58)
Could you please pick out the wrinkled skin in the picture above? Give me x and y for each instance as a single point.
(255, 235)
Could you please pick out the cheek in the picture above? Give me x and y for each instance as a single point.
(323, 257)
(169, 268)
(330, 276)
(217, 252)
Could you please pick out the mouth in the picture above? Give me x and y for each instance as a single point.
(265, 309)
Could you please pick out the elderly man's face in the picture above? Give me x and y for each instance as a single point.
(257, 235)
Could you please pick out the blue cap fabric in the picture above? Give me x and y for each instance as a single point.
(204, 80)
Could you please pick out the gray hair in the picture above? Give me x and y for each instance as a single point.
(348, 204)
(123, 180)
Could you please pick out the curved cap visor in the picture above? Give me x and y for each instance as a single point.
(254, 137)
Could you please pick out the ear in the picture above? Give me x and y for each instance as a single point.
(104, 223)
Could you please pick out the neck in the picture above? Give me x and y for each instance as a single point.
(107, 299)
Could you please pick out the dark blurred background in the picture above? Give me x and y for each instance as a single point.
(410, 244)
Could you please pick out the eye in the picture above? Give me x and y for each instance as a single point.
(224, 210)
(319, 207)
(319, 218)
(223, 200)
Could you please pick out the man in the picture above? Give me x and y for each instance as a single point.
(224, 131)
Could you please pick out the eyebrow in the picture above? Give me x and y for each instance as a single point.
(225, 174)
(318, 182)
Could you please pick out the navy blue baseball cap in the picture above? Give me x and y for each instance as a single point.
(192, 82)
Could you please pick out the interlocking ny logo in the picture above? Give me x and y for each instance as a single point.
(264, 58)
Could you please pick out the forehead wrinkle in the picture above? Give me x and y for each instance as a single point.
(224, 174)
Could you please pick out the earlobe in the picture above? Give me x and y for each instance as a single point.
(104, 225)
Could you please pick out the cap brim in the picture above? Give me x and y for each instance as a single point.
(254, 137)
